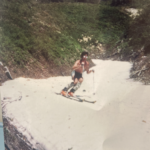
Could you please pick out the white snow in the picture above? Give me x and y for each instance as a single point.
(119, 120)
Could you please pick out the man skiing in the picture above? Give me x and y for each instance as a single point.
(79, 66)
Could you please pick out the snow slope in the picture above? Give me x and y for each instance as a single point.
(119, 120)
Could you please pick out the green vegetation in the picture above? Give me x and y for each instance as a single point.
(15, 33)
(132, 34)
(113, 25)
(139, 33)
(29, 30)
(51, 30)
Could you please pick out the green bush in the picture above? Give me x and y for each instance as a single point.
(140, 30)
(53, 30)
(23, 38)
(113, 24)
(15, 33)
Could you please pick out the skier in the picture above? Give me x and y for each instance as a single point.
(79, 66)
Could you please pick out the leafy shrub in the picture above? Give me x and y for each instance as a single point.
(113, 24)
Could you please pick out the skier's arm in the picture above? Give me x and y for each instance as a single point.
(87, 69)
(76, 65)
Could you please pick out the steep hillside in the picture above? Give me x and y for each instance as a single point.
(39, 40)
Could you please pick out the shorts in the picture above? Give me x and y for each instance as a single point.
(78, 75)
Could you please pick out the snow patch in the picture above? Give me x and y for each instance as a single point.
(114, 122)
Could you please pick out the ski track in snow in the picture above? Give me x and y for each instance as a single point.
(119, 120)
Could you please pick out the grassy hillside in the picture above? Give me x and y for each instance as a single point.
(51, 30)
(55, 31)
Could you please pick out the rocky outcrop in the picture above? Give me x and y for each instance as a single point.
(4, 73)
(13, 139)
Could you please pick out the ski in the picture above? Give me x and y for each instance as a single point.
(76, 98)
(87, 100)
(72, 98)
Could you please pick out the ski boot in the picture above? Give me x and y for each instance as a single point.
(63, 93)
(71, 94)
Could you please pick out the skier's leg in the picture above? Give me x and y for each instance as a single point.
(81, 80)
(76, 87)
(72, 83)
(68, 86)
(75, 84)
(64, 91)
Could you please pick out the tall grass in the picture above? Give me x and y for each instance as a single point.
(51, 30)
(55, 30)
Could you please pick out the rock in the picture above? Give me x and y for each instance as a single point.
(8, 73)
(1, 63)
(63, 74)
(119, 50)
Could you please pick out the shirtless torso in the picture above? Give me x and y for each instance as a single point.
(81, 66)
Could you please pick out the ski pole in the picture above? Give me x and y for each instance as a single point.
(93, 85)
